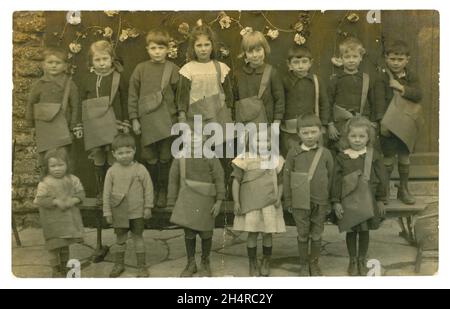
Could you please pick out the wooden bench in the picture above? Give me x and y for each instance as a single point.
(93, 218)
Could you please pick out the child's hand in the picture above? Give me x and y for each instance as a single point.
(136, 127)
(73, 201)
(333, 133)
(381, 208)
(396, 85)
(237, 209)
(278, 203)
(290, 209)
(216, 208)
(384, 131)
(109, 219)
(147, 213)
(339, 211)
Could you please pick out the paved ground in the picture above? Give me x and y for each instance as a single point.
(166, 254)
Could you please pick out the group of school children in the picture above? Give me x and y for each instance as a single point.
(331, 137)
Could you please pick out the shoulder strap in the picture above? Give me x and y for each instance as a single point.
(183, 169)
(316, 92)
(165, 80)
(314, 164)
(114, 86)
(65, 101)
(219, 75)
(275, 181)
(264, 80)
(368, 163)
(365, 91)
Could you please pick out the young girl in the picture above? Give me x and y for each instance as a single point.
(205, 86)
(52, 107)
(57, 196)
(197, 189)
(358, 190)
(257, 203)
(260, 93)
(104, 108)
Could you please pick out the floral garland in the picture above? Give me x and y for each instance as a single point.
(299, 30)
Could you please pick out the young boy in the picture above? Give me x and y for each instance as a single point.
(307, 180)
(53, 91)
(127, 201)
(152, 109)
(396, 77)
(352, 92)
(304, 94)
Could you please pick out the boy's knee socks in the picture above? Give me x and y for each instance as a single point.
(206, 247)
(350, 239)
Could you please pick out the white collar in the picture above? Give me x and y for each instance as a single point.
(306, 148)
(355, 153)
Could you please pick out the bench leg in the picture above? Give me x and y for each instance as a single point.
(16, 232)
(100, 251)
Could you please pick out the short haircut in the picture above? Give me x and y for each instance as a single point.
(299, 52)
(158, 36)
(101, 46)
(398, 47)
(357, 122)
(252, 40)
(123, 140)
(57, 52)
(308, 120)
(351, 44)
(57, 153)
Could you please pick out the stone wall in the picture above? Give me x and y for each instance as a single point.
(28, 41)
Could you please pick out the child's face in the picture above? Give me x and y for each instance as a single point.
(124, 155)
(358, 138)
(157, 52)
(203, 48)
(101, 61)
(309, 135)
(351, 60)
(57, 167)
(396, 62)
(300, 66)
(255, 56)
(53, 65)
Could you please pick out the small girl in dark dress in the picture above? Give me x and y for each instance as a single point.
(358, 190)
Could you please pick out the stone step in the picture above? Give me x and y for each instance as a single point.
(417, 187)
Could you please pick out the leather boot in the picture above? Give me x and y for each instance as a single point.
(142, 270)
(303, 257)
(252, 263)
(191, 266)
(119, 266)
(362, 266)
(352, 269)
(265, 264)
(389, 169)
(403, 192)
(314, 258)
(205, 266)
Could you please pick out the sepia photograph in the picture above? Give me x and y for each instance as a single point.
(225, 143)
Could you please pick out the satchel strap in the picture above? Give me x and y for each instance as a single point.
(114, 86)
(219, 75)
(368, 163)
(365, 91)
(316, 92)
(165, 80)
(65, 101)
(314, 164)
(264, 80)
